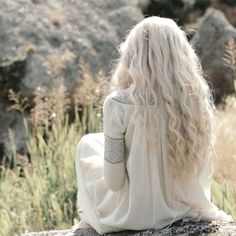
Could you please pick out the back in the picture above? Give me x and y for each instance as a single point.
(148, 196)
(152, 188)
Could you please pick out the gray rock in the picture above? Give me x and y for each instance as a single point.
(89, 29)
(182, 227)
(44, 39)
(209, 41)
(229, 11)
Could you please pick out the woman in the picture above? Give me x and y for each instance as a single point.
(150, 166)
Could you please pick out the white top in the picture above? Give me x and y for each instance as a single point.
(122, 185)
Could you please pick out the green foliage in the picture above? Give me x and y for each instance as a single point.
(45, 197)
(42, 193)
(224, 197)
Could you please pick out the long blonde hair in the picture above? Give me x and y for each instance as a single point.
(158, 60)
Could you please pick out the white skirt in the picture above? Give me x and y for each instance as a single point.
(139, 204)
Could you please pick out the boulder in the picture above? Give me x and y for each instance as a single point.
(180, 227)
(213, 33)
(41, 40)
(38, 30)
(228, 9)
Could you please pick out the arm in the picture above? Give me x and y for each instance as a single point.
(114, 164)
(114, 150)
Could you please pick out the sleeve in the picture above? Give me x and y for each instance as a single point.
(114, 144)
(113, 118)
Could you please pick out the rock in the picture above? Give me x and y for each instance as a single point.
(89, 29)
(41, 40)
(228, 9)
(12, 134)
(209, 40)
(181, 227)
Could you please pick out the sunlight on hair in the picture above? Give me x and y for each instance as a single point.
(164, 69)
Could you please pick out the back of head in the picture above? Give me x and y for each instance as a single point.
(158, 60)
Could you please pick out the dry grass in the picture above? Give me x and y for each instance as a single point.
(230, 58)
(224, 187)
(90, 90)
(224, 176)
(41, 193)
(225, 146)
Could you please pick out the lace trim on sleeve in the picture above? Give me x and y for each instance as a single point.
(114, 150)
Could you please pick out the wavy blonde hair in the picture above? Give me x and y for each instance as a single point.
(158, 60)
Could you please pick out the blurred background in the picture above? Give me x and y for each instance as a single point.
(56, 59)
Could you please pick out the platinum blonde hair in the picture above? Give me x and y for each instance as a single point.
(163, 67)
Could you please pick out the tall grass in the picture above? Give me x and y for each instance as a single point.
(44, 197)
(224, 177)
(41, 194)
(230, 58)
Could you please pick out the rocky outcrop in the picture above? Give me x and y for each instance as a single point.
(37, 30)
(228, 9)
(44, 39)
(181, 227)
(209, 40)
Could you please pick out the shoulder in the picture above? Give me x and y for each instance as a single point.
(123, 96)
